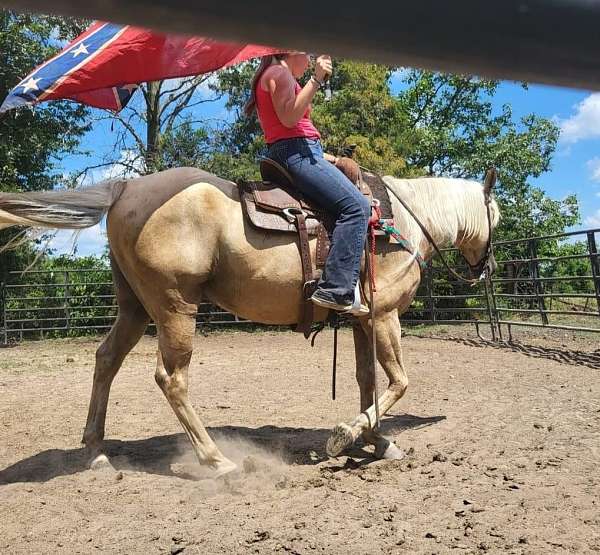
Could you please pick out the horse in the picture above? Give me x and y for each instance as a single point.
(179, 237)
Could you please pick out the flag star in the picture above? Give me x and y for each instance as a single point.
(81, 49)
(31, 84)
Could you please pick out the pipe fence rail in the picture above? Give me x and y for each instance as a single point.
(550, 281)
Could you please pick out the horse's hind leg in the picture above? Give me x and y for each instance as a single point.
(175, 338)
(389, 355)
(127, 330)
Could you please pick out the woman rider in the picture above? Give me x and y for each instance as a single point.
(283, 108)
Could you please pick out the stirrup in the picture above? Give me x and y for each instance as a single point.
(357, 307)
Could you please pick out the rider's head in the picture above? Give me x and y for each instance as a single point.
(296, 62)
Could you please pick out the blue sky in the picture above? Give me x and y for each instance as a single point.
(576, 163)
(575, 166)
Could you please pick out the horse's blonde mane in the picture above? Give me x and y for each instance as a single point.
(452, 210)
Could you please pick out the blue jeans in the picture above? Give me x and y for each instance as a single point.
(328, 187)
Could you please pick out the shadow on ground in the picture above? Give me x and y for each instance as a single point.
(155, 455)
(562, 355)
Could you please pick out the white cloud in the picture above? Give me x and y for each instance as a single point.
(89, 241)
(129, 164)
(593, 220)
(593, 166)
(585, 123)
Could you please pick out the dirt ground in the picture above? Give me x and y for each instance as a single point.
(503, 452)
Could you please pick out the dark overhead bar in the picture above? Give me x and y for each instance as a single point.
(555, 42)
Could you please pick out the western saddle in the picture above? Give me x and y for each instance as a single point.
(275, 204)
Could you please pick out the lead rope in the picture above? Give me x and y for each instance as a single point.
(370, 262)
(335, 347)
(373, 222)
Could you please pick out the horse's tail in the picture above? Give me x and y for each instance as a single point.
(65, 209)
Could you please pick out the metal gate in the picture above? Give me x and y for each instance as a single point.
(542, 282)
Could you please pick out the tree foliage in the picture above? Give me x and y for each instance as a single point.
(436, 124)
(157, 130)
(65, 296)
(33, 140)
(457, 133)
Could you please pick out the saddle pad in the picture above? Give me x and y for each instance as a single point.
(380, 192)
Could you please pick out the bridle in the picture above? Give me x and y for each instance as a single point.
(485, 266)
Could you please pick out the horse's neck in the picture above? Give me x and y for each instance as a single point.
(435, 205)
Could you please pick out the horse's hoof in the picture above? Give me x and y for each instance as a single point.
(341, 438)
(101, 462)
(226, 469)
(389, 451)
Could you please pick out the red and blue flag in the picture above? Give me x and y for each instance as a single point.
(104, 65)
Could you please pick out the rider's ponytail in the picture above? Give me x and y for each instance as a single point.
(265, 62)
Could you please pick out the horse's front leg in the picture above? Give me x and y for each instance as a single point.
(389, 354)
(175, 340)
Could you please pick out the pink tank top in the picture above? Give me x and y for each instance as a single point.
(272, 127)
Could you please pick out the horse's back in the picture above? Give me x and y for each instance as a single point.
(156, 189)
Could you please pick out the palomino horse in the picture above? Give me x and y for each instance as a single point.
(179, 236)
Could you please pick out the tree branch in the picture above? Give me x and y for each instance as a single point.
(194, 83)
(141, 145)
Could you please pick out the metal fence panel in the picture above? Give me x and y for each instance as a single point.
(535, 286)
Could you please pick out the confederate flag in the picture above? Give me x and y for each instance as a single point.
(103, 65)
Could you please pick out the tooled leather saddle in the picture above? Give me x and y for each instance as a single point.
(274, 204)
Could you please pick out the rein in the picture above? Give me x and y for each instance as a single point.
(490, 179)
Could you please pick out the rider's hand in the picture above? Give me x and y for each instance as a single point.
(323, 67)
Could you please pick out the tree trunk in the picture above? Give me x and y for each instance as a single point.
(152, 156)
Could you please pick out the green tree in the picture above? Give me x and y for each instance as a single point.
(359, 108)
(457, 133)
(33, 140)
(158, 121)
(59, 294)
(238, 143)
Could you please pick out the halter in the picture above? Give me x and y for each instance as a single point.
(484, 266)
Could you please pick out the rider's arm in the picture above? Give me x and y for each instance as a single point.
(289, 106)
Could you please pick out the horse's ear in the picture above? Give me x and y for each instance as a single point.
(490, 181)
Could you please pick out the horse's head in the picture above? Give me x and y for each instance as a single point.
(475, 243)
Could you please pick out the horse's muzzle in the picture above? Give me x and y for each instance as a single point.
(485, 268)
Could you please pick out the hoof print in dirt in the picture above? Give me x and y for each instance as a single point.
(259, 537)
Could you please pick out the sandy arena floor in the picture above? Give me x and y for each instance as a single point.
(504, 453)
